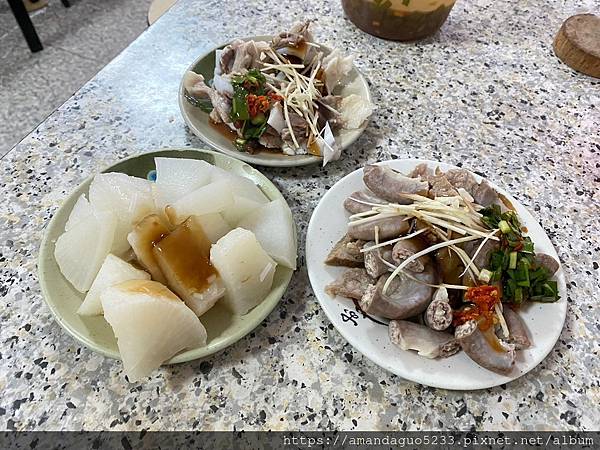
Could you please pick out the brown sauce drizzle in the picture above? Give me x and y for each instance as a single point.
(186, 253)
(224, 130)
(228, 133)
(313, 147)
(491, 338)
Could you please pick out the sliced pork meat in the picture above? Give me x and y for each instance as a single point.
(482, 193)
(405, 297)
(297, 36)
(335, 68)
(346, 252)
(390, 185)
(247, 55)
(427, 342)
(195, 86)
(270, 138)
(353, 283)
(404, 249)
(225, 58)
(485, 348)
(356, 202)
(376, 259)
(330, 108)
(388, 227)
(300, 131)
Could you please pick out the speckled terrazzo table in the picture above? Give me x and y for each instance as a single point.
(486, 93)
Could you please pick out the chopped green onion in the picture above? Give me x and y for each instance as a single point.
(504, 226)
(512, 264)
(542, 299)
(518, 295)
(259, 119)
(239, 105)
(485, 275)
(528, 246)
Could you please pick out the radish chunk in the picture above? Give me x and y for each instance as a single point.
(151, 325)
(241, 207)
(184, 258)
(81, 251)
(142, 239)
(273, 226)
(190, 173)
(113, 271)
(212, 198)
(128, 198)
(177, 177)
(241, 186)
(214, 226)
(246, 269)
(82, 210)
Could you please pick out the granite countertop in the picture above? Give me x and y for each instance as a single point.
(486, 93)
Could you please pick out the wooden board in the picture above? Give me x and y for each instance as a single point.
(577, 44)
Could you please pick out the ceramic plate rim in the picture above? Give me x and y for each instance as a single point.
(291, 161)
(322, 297)
(187, 355)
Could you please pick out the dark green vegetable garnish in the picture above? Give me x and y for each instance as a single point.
(252, 81)
(239, 105)
(204, 104)
(514, 264)
(259, 119)
(254, 132)
(252, 125)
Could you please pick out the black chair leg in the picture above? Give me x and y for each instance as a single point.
(66, 3)
(22, 16)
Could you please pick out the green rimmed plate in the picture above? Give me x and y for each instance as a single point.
(222, 326)
(198, 120)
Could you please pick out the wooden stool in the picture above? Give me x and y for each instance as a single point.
(577, 44)
(20, 11)
(31, 5)
(158, 8)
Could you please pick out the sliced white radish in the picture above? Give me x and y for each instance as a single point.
(145, 234)
(176, 177)
(128, 198)
(242, 206)
(113, 271)
(245, 268)
(240, 186)
(191, 173)
(214, 226)
(212, 198)
(184, 258)
(81, 251)
(151, 325)
(82, 210)
(273, 226)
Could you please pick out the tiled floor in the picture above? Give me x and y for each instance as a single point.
(78, 42)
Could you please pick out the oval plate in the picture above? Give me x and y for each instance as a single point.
(328, 225)
(223, 328)
(198, 121)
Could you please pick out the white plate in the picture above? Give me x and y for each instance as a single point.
(328, 224)
(198, 120)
